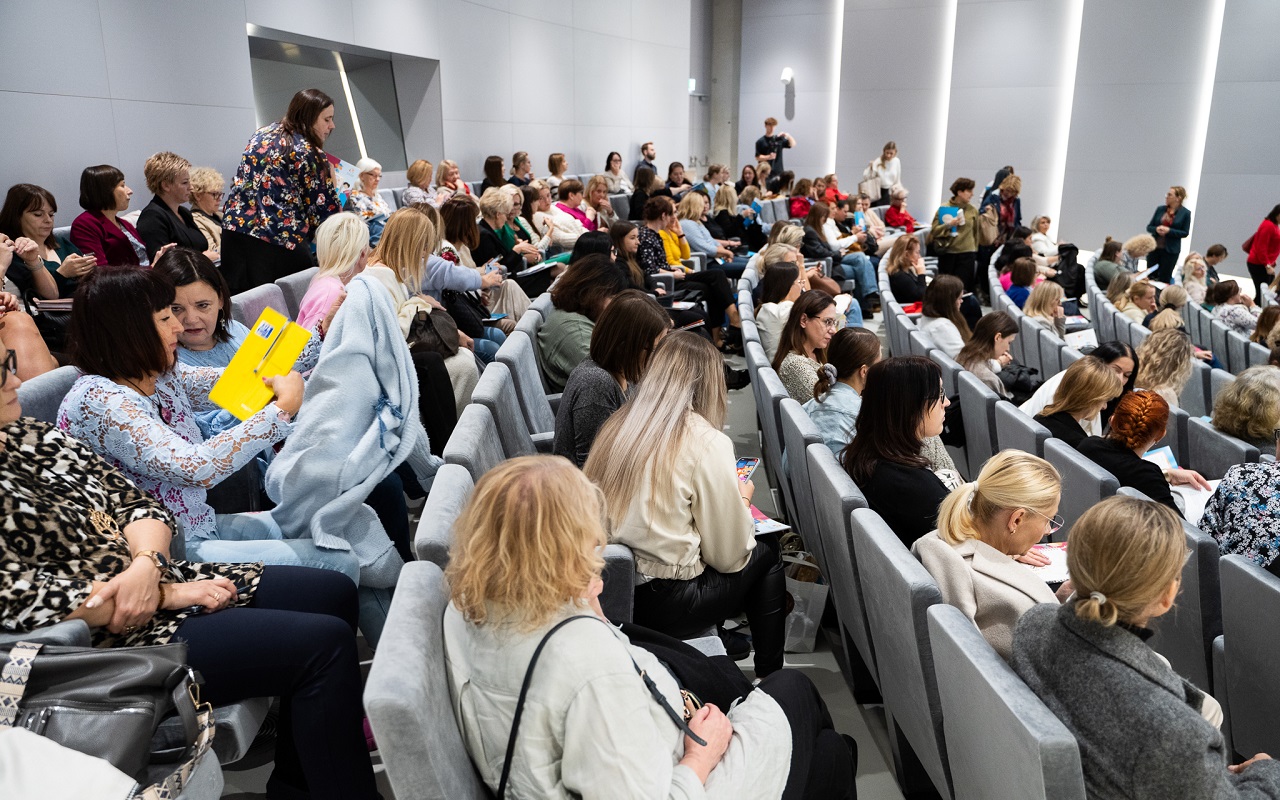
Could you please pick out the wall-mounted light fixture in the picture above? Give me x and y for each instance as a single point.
(788, 75)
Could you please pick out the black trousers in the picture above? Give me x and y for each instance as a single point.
(717, 293)
(1258, 272)
(436, 407)
(961, 265)
(686, 608)
(823, 765)
(248, 261)
(1164, 261)
(297, 642)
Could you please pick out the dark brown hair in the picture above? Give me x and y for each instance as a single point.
(961, 185)
(183, 267)
(818, 213)
(460, 226)
(1110, 250)
(981, 345)
(113, 330)
(1139, 418)
(850, 350)
(626, 333)
(791, 340)
(655, 207)
(899, 393)
(617, 234)
(586, 285)
(1222, 291)
(940, 298)
(493, 170)
(24, 197)
(98, 187)
(569, 187)
(777, 282)
(304, 109)
(644, 182)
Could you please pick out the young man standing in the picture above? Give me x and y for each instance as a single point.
(770, 146)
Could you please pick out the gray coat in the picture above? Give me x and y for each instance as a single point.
(1137, 723)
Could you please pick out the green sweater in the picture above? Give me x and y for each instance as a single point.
(965, 239)
(564, 342)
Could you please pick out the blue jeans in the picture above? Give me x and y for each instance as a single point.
(853, 317)
(857, 266)
(256, 537)
(487, 345)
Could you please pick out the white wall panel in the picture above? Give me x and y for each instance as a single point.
(209, 136)
(75, 65)
(55, 160)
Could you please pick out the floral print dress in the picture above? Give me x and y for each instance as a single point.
(61, 510)
(1244, 513)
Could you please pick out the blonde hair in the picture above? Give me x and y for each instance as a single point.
(1011, 479)
(776, 254)
(1172, 299)
(1122, 555)
(527, 544)
(495, 201)
(1140, 245)
(206, 179)
(1118, 290)
(406, 239)
(785, 233)
(1043, 301)
(437, 225)
(419, 173)
(340, 240)
(1179, 193)
(685, 377)
(596, 181)
(750, 193)
(726, 199)
(1164, 361)
(1249, 408)
(1139, 289)
(1013, 183)
(1085, 384)
(445, 166)
(896, 261)
(685, 208)
(162, 168)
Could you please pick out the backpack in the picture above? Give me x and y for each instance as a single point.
(1070, 274)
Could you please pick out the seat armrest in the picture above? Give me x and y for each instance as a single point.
(554, 400)
(542, 441)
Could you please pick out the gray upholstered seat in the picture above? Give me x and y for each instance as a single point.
(497, 392)
(450, 491)
(1219, 379)
(950, 372)
(746, 309)
(1250, 595)
(517, 352)
(1257, 356)
(1104, 319)
(1002, 741)
(1195, 395)
(766, 212)
(543, 304)
(978, 408)
(475, 443)
(1212, 452)
(1050, 352)
(1027, 345)
(1176, 434)
(750, 332)
(1017, 431)
(247, 306)
(398, 194)
(407, 695)
(530, 324)
(769, 393)
(294, 288)
(1237, 359)
(920, 343)
(899, 592)
(1138, 334)
(621, 205)
(798, 432)
(388, 197)
(1218, 335)
(1084, 483)
(1068, 356)
(41, 396)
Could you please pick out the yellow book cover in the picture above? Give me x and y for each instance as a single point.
(271, 348)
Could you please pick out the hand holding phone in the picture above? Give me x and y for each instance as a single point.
(747, 467)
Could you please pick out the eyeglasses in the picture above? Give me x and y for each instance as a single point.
(1055, 522)
(10, 365)
(216, 195)
(829, 323)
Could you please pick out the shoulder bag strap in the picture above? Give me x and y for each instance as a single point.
(13, 680)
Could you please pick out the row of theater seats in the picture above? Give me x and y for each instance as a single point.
(621, 202)
(973, 710)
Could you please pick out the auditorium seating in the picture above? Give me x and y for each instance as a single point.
(1084, 483)
(1250, 594)
(798, 434)
(1212, 452)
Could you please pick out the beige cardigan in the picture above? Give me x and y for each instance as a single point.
(990, 587)
(700, 521)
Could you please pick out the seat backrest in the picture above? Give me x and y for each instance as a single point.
(407, 695)
(41, 396)
(517, 353)
(530, 324)
(1218, 335)
(750, 332)
(450, 491)
(1017, 431)
(1237, 352)
(769, 393)
(398, 194)
(989, 714)
(543, 304)
(1212, 452)
(246, 306)
(835, 496)
(1104, 319)
(1175, 436)
(920, 343)
(1027, 345)
(1219, 379)
(1068, 356)
(1195, 395)
(1050, 352)
(766, 212)
(1257, 355)
(950, 371)
(780, 210)
(1084, 483)
(899, 592)
(294, 288)
(978, 408)
(389, 197)
(475, 443)
(1250, 594)
(903, 327)
(746, 308)
(497, 392)
(798, 432)
(1138, 334)
(621, 205)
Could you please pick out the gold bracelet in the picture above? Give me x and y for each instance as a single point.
(160, 587)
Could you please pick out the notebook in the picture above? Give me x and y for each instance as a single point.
(271, 348)
(1056, 570)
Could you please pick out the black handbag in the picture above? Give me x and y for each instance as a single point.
(435, 332)
(467, 311)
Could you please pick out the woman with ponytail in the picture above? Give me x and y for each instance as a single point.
(984, 528)
(1143, 730)
(1140, 420)
(837, 396)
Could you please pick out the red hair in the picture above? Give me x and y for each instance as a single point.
(1139, 419)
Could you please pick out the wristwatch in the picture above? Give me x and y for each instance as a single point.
(159, 559)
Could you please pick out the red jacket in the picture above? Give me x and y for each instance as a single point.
(93, 233)
(895, 218)
(799, 207)
(1266, 244)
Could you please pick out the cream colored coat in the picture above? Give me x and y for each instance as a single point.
(990, 587)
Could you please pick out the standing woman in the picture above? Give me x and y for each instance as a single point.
(282, 192)
(888, 168)
(837, 396)
(956, 236)
(1263, 252)
(614, 177)
(100, 231)
(1170, 224)
(803, 344)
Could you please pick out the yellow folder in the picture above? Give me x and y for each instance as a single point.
(271, 348)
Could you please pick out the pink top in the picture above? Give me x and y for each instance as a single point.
(579, 215)
(320, 295)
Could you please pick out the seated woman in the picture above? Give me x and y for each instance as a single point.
(1044, 308)
(494, 174)
(1267, 321)
(692, 213)
(50, 266)
(208, 188)
(940, 317)
(1021, 278)
(1195, 277)
(1142, 301)
(730, 216)
(987, 351)
(597, 202)
(570, 219)
(903, 405)
(526, 201)
(88, 545)
(647, 185)
(844, 266)
(615, 179)
(803, 342)
(498, 240)
(985, 528)
(785, 279)
(20, 331)
(1120, 357)
(100, 231)
(1136, 248)
(747, 178)
(1244, 512)
(1118, 290)
(419, 189)
(366, 201)
(837, 396)
(1168, 309)
(677, 183)
(1083, 391)
(1107, 266)
(905, 267)
(896, 215)
(165, 220)
(448, 182)
(135, 405)
(1249, 408)
(578, 299)
(590, 719)
(1233, 308)
(1140, 420)
(1145, 733)
(802, 199)
(521, 169)
(672, 494)
(1164, 364)
(461, 234)
(628, 332)
(556, 166)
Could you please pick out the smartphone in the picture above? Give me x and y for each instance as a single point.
(494, 318)
(692, 325)
(746, 467)
(491, 265)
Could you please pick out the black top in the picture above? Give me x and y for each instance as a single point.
(491, 246)
(1129, 468)
(907, 286)
(1063, 426)
(773, 144)
(814, 246)
(907, 498)
(639, 197)
(730, 224)
(514, 181)
(644, 164)
(158, 226)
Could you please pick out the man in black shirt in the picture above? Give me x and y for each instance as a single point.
(770, 146)
(647, 155)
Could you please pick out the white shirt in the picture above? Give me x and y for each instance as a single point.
(831, 233)
(890, 174)
(770, 320)
(1044, 396)
(944, 334)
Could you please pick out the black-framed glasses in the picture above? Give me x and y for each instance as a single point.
(10, 366)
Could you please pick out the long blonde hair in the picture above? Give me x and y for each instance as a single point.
(685, 377)
(726, 199)
(1011, 479)
(1043, 301)
(406, 239)
(1164, 361)
(896, 261)
(340, 240)
(685, 209)
(527, 544)
(1085, 384)
(1122, 555)
(1169, 315)
(1118, 290)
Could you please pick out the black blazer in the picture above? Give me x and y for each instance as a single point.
(491, 246)
(1129, 469)
(1063, 426)
(907, 287)
(158, 226)
(813, 246)
(907, 498)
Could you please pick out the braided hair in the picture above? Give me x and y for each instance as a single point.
(1140, 419)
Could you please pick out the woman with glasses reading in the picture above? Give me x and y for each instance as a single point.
(985, 528)
(802, 346)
